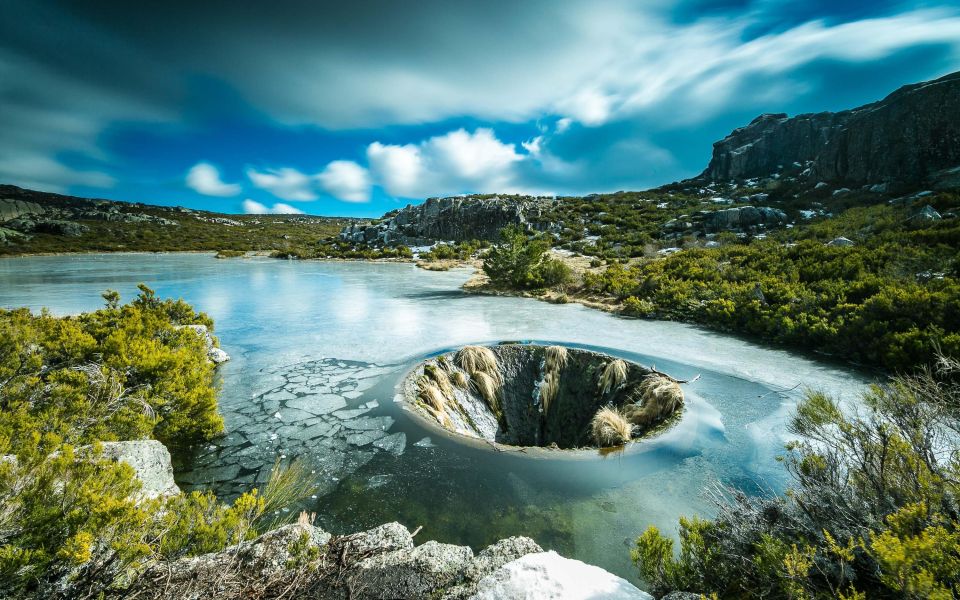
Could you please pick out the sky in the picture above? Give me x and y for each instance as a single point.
(357, 108)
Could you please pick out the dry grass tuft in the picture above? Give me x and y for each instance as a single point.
(548, 389)
(659, 397)
(488, 389)
(610, 428)
(614, 374)
(556, 358)
(434, 401)
(460, 379)
(478, 359)
(439, 377)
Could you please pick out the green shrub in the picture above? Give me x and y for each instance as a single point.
(873, 511)
(514, 263)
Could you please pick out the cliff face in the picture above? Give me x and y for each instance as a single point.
(457, 219)
(911, 136)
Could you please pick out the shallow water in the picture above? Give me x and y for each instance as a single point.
(317, 348)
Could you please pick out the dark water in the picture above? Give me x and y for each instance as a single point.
(317, 349)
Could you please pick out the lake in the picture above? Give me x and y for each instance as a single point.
(318, 347)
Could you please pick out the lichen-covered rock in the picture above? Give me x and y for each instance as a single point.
(379, 563)
(150, 460)
(235, 570)
(910, 136)
(456, 219)
(11, 208)
(547, 575)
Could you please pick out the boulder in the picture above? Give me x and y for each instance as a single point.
(547, 575)
(11, 209)
(150, 460)
(743, 218)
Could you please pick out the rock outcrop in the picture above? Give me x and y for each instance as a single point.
(382, 562)
(451, 219)
(11, 209)
(740, 219)
(912, 136)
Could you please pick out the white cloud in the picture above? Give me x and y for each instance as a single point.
(285, 183)
(346, 180)
(398, 169)
(204, 178)
(452, 163)
(252, 207)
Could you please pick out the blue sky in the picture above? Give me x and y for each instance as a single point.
(358, 108)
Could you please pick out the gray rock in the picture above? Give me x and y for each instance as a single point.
(682, 596)
(11, 209)
(415, 573)
(744, 218)
(456, 219)
(151, 463)
(909, 136)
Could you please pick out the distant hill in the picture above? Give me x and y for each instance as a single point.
(38, 222)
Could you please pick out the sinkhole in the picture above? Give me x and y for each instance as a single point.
(536, 395)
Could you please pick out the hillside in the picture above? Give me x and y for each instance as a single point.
(37, 222)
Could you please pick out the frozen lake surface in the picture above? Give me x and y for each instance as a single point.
(317, 348)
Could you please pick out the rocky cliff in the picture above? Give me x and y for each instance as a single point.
(451, 219)
(912, 136)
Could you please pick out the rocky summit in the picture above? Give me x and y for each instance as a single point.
(912, 136)
(451, 219)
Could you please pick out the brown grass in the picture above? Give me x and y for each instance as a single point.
(548, 389)
(556, 358)
(614, 374)
(610, 428)
(478, 359)
(439, 377)
(655, 399)
(488, 388)
(460, 379)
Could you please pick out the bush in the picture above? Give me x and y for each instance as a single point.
(131, 371)
(516, 261)
(636, 307)
(873, 511)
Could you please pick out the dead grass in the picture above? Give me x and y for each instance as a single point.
(655, 399)
(614, 374)
(610, 428)
(478, 359)
(460, 379)
(439, 377)
(556, 358)
(488, 388)
(548, 390)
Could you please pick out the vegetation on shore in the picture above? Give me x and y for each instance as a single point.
(872, 513)
(69, 516)
(891, 299)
